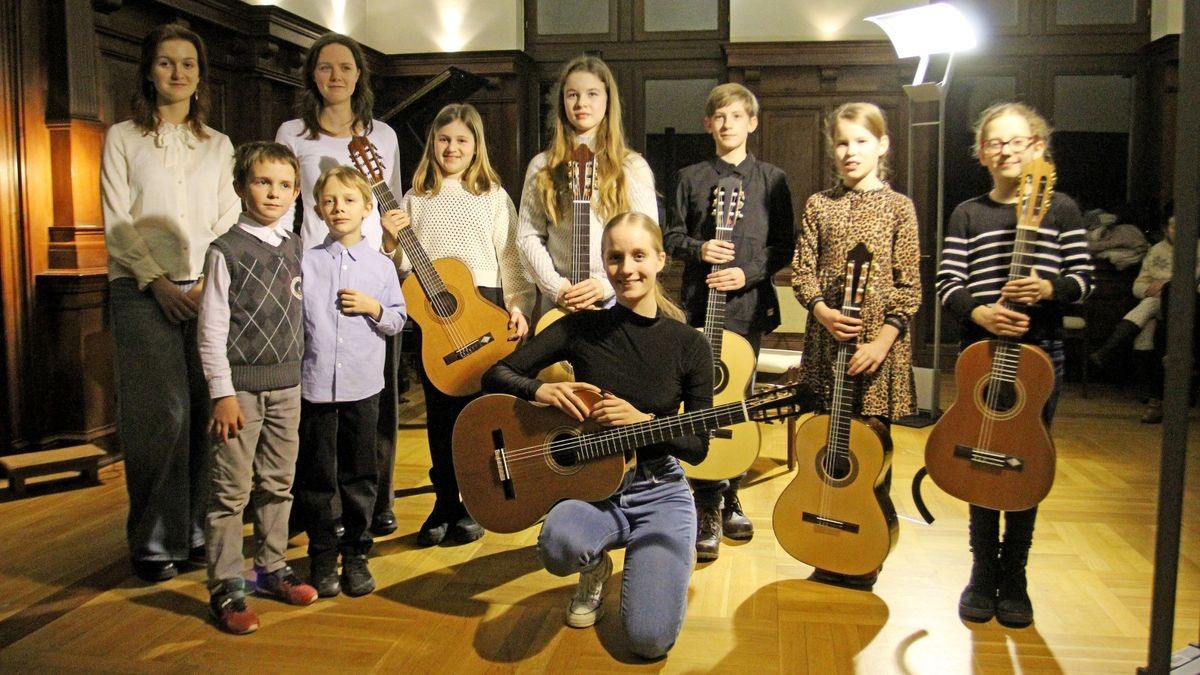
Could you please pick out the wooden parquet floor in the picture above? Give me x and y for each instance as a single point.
(69, 602)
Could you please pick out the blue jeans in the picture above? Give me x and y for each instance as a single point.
(162, 416)
(653, 517)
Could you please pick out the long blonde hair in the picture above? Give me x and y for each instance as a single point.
(552, 182)
(665, 306)
(479, 176)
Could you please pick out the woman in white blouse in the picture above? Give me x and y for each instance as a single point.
(167, 191)
(334, 105)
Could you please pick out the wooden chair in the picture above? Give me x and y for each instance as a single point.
(778, 366)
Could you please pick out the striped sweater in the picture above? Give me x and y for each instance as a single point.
(978, 251)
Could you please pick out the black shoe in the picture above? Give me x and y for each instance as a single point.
(356, 578)
(708, 537)
(155, 571)
(384, 523)
(734, 523)
(324, 577)
(1013, 607)
(434, 529)
(978, 600)
(466, 530)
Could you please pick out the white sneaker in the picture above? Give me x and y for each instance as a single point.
(585, 609)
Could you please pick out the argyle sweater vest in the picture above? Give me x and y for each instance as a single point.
(266, 324)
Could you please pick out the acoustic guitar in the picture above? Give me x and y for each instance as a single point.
(732, 450)
(462, 333)
(515, 459)
(991, 447)
(581, 170)
(836, 513)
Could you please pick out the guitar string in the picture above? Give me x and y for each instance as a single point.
(1006, 359)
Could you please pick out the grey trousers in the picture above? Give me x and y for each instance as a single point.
(162, 413)
(254, 470)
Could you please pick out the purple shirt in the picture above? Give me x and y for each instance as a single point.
(343, 354)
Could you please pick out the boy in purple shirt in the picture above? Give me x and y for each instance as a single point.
(352, 300)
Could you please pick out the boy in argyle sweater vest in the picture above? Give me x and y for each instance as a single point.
(251, 345)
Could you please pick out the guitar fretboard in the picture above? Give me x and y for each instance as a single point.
(630, 437)
(422, 266)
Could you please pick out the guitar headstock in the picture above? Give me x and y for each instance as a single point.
(366, 159)
(1034, 189)
(792, 400)
(859, 261)
(583, 172)
(728, 199)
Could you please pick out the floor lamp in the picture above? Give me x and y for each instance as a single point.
(922, 31)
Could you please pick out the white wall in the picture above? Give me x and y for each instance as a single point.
(418, 26)
(802, 20)
(1166, 18)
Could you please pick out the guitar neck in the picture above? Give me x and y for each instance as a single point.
(628, 438)
(714, 313)
(422, 266)
(841, 408)
(581, 240)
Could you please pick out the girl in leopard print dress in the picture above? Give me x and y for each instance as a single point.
(861, 208)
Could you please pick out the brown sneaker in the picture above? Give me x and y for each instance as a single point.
(285, 586)
(229, 610)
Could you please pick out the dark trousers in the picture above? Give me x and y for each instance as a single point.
(441, 412)
(708, 493)
(1157, 374)
(385, 429)
(336, 474)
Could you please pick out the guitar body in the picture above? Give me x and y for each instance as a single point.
(852, 495)
(538, 482)
(463, 334)
(734, 449)
(996, 455)
(561, 371)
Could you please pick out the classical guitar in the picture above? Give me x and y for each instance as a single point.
(462, 334)
(836, 513)
(515, 459)
(991, 447)
(581, 170)
(732, 450)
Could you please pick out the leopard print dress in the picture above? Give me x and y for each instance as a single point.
(834, 222)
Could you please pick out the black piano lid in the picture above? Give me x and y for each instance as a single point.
(416, 112)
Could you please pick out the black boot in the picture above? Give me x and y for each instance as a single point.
(708, 538)
(978, 599)
(1013, 608)
(1120, 340)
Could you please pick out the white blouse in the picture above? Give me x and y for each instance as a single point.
(480, 230)
(325, 152)
(165, 197)
(547, 248)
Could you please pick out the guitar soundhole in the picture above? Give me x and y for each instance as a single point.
(444, 304)
(1000, 396)
(838, 469)
(720, 377)
(563, 452)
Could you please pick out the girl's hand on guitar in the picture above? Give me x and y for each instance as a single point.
(393, 221)
(518, 325)
(352, 302)
(1027, 290)
(868, 357)
(1000, 321)
(227, 419)
(614, 412)
(585, 294)
(840, 326)
(561, 395)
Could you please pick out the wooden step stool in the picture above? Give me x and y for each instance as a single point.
(82, 458)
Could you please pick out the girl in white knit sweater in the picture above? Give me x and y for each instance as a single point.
(459, 210)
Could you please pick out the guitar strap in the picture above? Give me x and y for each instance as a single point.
(919, 501)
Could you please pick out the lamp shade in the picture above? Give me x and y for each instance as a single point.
(931, 29)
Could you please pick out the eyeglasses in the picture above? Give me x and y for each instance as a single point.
(1016, 144)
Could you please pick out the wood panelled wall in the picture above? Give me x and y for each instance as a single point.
(66, 72)
(66, 69)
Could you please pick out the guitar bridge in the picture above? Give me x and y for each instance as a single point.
(843, 525)
(469, 348)
(998, 460)
(500, 454)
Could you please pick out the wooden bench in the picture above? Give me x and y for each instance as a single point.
(82, 458)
